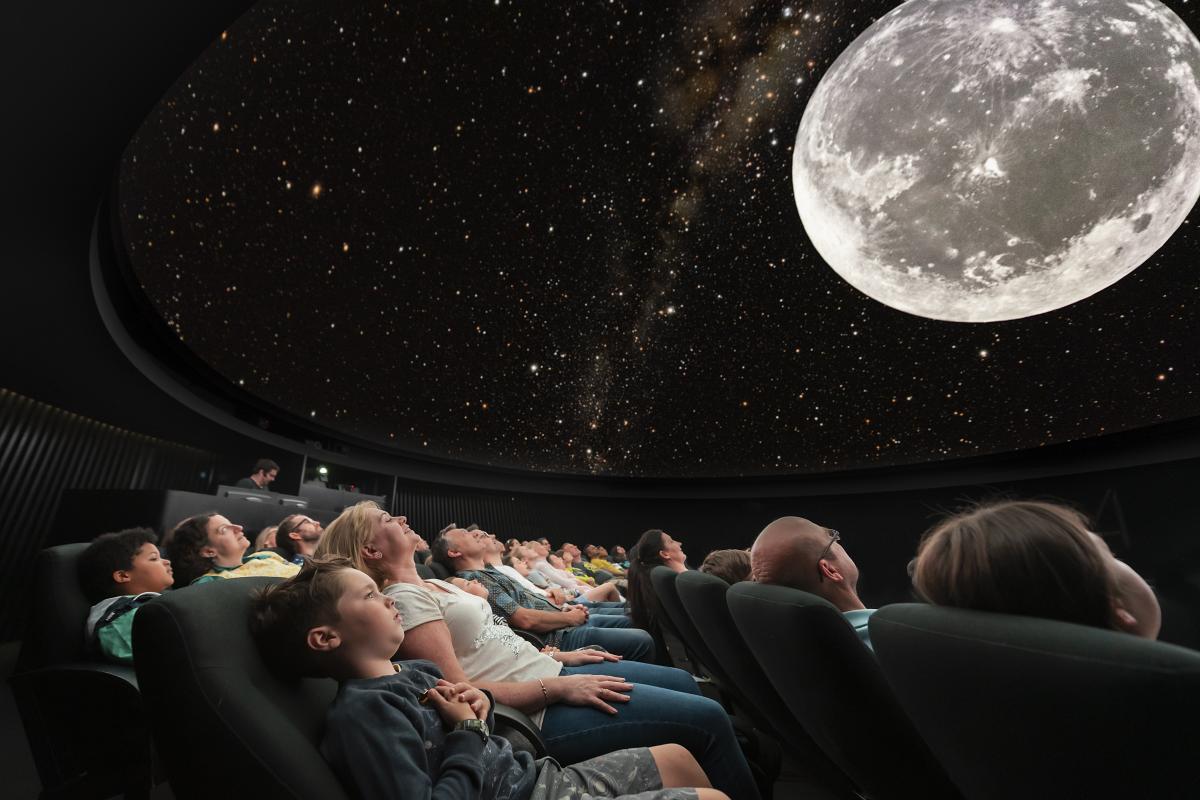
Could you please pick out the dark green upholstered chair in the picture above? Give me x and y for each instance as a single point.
(82, 717)
(759, 739)
(1025, 707)
(703, 599)
(216, 711)
(832, 685)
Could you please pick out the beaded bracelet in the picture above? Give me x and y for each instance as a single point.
(545, 694)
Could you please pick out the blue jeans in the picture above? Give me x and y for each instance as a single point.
(633, 643)
(664, 707)
(601, 605)
(607, 619)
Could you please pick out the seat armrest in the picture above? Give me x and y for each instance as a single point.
(510, 721)
(117, 674)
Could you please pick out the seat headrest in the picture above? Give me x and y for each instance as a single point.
(1073, 710)
(212, 700)
(58, 610)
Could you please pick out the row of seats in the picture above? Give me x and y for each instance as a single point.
(951, 703)
(200, 710)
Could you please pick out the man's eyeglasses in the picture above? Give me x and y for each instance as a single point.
(834, 536)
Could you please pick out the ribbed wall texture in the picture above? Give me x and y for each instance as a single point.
(43, 450)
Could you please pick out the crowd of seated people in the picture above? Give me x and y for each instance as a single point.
(587, 702)
(552, 633)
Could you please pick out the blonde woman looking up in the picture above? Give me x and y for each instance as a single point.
(586, 702)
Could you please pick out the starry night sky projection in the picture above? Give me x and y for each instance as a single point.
(562, 237)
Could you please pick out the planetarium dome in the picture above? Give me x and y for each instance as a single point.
(566, 240)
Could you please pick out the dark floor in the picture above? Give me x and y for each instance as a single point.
(16, 762)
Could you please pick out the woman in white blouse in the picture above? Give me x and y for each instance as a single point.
(573, 696)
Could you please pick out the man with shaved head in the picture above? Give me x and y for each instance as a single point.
(800, 554)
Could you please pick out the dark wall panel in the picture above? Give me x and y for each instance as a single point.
(44, 450)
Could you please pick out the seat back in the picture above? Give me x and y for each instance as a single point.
(82, 718)
(58, 611)
(217, 713)
(703, 598)
(439, 571)
(426, 573)
(672, 620)
(1018, 705)
(832, 685)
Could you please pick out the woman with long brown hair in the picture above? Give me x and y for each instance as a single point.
(1034, 559)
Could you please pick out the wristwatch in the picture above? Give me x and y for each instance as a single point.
(476, 725)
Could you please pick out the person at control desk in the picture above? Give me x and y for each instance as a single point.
(265, 471)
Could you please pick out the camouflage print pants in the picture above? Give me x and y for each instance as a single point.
(627, 774)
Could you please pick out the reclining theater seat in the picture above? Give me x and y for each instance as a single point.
(221, 720)
(1019, 706)
(212, 701)
(833, 686)
(703, 598)
(83, 717)
(761, 745)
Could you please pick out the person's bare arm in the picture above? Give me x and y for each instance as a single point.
(528, 619)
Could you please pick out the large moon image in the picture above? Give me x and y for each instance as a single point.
(986, 160)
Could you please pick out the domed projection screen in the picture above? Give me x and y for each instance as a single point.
(565, 237)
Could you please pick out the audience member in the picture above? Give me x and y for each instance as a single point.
(401, 730)
(573, 558)
(731, 566)
(654, 548)
(119, 572)
(209, 547)
(297, 538)
(794, 552)
(619, 557)
(266, 538)
(1034, 559)
(585, 701)
(551, 566)
(1134, 602)
(265, 471)
(463, 553)
(598, 560)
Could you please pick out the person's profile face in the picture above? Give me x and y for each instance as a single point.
(270, 476)
(225, 538)
(149, 571)
(391, 535)
(367, 618)
(672, 550)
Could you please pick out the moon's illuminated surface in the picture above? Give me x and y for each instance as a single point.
(984, 160)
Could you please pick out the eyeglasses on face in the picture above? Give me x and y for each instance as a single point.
(834, 536)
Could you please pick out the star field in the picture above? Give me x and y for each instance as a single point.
(562, 237)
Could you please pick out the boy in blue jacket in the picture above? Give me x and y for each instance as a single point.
(399, 730)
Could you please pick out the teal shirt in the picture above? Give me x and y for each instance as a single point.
(110, 626)
(858, 620)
